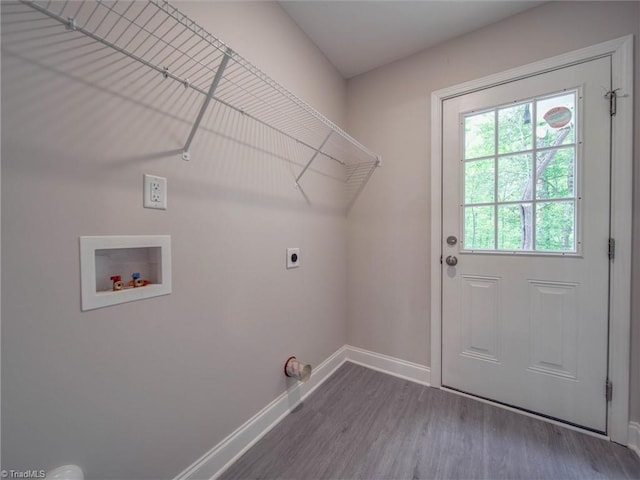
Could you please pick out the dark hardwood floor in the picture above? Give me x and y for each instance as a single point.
(363, 424)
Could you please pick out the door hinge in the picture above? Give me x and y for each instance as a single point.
(608, 390)
(612, 96)
(612, 248)
(440, 259)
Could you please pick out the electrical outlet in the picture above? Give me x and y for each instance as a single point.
(293, 257)
(155, 192)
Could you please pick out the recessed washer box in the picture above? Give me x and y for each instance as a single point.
(104, 257)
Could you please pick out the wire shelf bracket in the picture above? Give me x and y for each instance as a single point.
(205, 104)
(315, 154)
(161, 37)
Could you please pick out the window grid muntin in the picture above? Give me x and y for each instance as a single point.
(533, 201)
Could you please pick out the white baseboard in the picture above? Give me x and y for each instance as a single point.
(634, 437)
(219, 458)
(391, 365)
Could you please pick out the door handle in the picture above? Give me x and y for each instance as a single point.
(451, 261)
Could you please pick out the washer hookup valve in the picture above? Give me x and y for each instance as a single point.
(136, 281)
(118, 284)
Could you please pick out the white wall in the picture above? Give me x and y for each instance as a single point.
(141, 390)
(389, 110)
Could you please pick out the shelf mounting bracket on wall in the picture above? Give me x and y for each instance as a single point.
(207, 100)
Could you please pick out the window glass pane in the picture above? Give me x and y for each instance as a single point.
(479, 178)
(510, 226)
(479, 228)
(515, 129)
(555, 121)
(555, 226)
(557, 173)
(505, 150)
(479, 135)
(514, 178)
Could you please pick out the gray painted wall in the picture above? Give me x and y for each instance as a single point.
(389, 110)
(142, 390)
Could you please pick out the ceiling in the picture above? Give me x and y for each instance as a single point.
(358, 36)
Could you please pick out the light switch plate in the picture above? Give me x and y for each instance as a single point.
(293, 257)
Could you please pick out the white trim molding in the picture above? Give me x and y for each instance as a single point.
(634, 437)
(212, 464)
(621, 53)
(390, 365)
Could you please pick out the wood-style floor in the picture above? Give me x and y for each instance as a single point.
(368, 425)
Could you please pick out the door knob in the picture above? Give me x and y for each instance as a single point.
(451, 261)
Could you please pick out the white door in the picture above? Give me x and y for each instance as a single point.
(526, 216)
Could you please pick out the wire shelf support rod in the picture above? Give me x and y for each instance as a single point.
(315, 154)
(207, 100)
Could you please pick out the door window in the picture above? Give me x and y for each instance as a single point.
(520, 189)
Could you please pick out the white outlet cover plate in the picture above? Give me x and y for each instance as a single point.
(155, 192)
(290, 253)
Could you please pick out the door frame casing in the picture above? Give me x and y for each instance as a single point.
(621, 52)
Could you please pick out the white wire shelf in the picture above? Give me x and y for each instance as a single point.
(156, 34)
